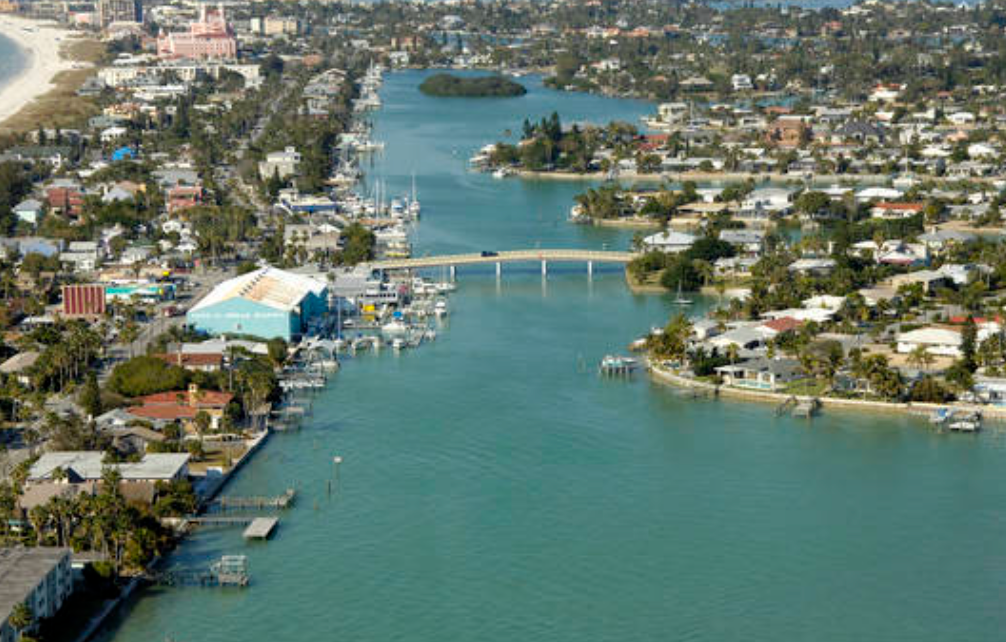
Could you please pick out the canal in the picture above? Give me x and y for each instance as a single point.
(494, 488)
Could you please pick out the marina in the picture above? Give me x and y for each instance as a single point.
(491, 459)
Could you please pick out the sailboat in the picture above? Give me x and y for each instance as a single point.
(680, 299)
(414, 207)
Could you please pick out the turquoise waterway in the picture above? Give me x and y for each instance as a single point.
(495, 488)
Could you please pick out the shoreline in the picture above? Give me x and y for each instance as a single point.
(41, 47)
(704, 177)
(916, 409)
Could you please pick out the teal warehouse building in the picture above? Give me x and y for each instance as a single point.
(266, 303)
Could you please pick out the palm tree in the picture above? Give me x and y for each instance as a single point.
(920, 357)
(21, 618)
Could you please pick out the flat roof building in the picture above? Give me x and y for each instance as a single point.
(39, 577)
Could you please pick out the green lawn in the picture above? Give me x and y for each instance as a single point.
(807, 387)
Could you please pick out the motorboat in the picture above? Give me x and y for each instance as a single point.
(394, 327)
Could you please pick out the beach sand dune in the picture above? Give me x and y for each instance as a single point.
(41, 43)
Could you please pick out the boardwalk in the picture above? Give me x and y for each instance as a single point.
(515, 256)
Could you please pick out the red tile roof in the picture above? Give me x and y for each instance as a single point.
(900, 207)
(782, 324)
(199, 399)
(192, 360)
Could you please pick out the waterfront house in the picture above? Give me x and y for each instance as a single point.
(936, 341)
(71, 473)
(183, 406)
(669, 241)
(762, 373)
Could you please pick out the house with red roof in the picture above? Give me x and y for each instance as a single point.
(196, 361)
(781, 325)
(889, 210)
(183, 406)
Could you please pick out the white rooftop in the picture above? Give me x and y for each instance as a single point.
(89, 464)
(269, 286)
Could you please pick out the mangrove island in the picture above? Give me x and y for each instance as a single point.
(451, 86)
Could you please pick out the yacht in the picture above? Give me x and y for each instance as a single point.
(394, 327)
(446, 286)
(502, 172)
(440, 308)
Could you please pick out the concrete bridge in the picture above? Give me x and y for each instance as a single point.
(515, 256)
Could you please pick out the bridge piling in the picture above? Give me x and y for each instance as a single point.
(544, 267)
(454, 273)
(499, 269)
(590, 268)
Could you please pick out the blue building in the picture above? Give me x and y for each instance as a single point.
(266, 303)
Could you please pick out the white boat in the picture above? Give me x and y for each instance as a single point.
(394, 327)
(440, 308)
(681, 300)
(397, 344)
(502, 172)
(965, 425)
(413, 202)
(446, 286)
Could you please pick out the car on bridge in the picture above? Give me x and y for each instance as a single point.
(489, 253)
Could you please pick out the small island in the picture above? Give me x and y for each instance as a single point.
(451, 86)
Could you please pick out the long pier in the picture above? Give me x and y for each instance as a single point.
(544, 256)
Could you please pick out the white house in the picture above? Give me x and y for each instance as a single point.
(878, 193)
(669, 241)
(283, 164)
(741, 82)
(768, 200)
(113, 133)
(29, 211)
(936, 341)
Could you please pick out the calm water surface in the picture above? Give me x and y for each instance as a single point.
(12, 59)
(494, 488)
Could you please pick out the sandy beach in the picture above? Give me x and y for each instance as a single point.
(41, 43)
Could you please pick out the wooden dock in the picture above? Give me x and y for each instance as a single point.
(261, 528)
(806, 408)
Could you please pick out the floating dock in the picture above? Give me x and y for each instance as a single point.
(261, 528)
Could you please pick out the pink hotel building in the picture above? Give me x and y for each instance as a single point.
(210, 37)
